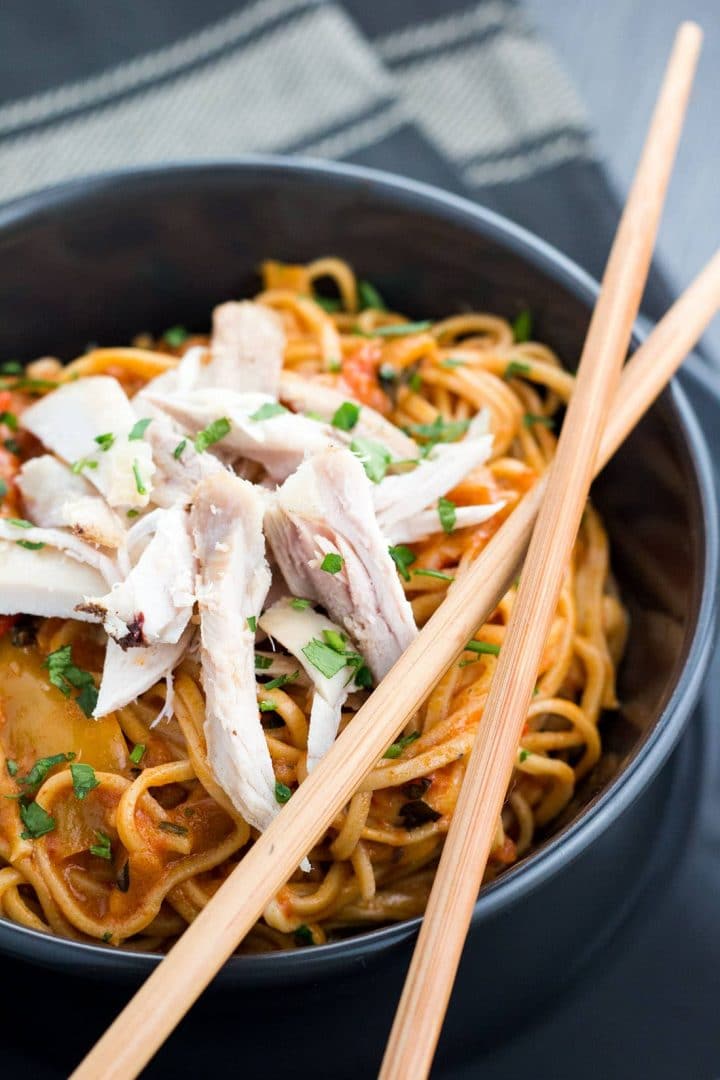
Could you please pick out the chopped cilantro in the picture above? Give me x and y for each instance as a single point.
(139, 485)
(375, 458)
(433, 574)
(137, 753)
(403, 558)
(282, 792)
(336, 641)
(83, 779)
(139, 429)
(535, 418)
(12, 446)
(299, 603)
(37, 821)
(103, 847)
(400, 329)
(524, 754)
(322, 656)
(66, 676)
(332, 563)
(327, 303)
(522, 326)
(12, 767)
(83, 463)
(346, 417)
(267, 706)
(175, 336)
(483, 648)
(282, 680)
(268, 410)
(334, 365)
(447, 515)
(30, 545)
(440, 430)
(3, 489)
(396, 748)
(132, 513)
(107, 936)
(178, 451)
(211, 434)
(20, 523)
(9, 419)
(11, 367)
(262, 663)
(370, 297)
(171, 827)
(105, 441)
(516, 368)
(42, 767)
(303, 935)
(252, 623)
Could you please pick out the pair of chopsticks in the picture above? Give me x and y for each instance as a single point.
(597, 421)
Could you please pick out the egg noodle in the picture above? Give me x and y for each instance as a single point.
(133, 859)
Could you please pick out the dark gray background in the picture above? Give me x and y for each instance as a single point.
(614, 51)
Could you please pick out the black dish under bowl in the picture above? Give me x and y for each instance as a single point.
(100, 260)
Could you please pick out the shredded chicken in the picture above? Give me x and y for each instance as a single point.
(326, 508)
(127, 673)
(30, 537)
(313, 396)
(44, 582)
(179, 467)
(233, 580)
(247, 348)
(54, 496)
(294, 629)
(279, 441)
(154, 603)
(72, 419)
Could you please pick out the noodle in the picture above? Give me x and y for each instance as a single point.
(135, 859)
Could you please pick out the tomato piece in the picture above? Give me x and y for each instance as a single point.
(359, 371)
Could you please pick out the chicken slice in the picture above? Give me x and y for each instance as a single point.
(127, 673)
(311, 396)
(44, 582)
(428, 522)
(294, 629)
(31, 538)
(247, 348)
(279, 441)
(154, 603)
(71, 419)
(326, 508)
(233, 580)
(54, 496)
(179, 467)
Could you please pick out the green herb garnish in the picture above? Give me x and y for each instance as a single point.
(299, 603)
(105, 441)
(516, 368)
(415, 382)
(370, 297)
(139, 485)
(374, 457)
(332, 563)
(103, 848)
(175, 336)
(447, 514)
(439, 431)
(12, 767)
(132, 513)
(137, 752)
(11, 367)
(400, 329)
(452, 362)
(396, 748)
(42, 767)
(483, 648)
(536, 418)
(282, 792)
(326, 659)
(83, 463)
(327, 303)
(9, 419)
(282, 680)
(346, 417)
(335, 640)
(268, 410)
(252, 623)
(83, 779)
(178, 451)
(211, 434)
(171, 827)
(30, 545)
(524, 754)
(433, 574)
(66, 676)
(403, 558)
(20, 523)
(3, 489)
(522, 326)
(37, 821)
(262, 663)
(139, 429)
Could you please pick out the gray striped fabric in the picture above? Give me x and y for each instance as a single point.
(474, 84)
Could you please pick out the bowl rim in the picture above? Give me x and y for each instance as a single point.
(621, 792)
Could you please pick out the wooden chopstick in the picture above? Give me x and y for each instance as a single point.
(171, 989)
(430, 979)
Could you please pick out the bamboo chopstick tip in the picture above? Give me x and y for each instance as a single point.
(691, 34)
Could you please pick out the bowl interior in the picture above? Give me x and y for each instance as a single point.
(100, 263)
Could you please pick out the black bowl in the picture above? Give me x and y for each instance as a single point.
(104, 258)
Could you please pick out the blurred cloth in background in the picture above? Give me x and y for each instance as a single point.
(463, 96)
